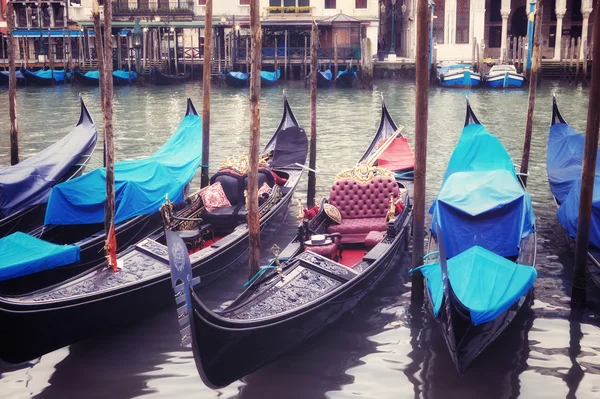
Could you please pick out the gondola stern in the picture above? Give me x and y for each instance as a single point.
(556, 116)
(470, 118)
(84, 115)
(191, 110)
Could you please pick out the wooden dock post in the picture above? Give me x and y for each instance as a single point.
(473, 55)
(247, 56)
(64, 58)
(533, 83)
(335, 58)
(571, 58)
(586, 53)
(312, 160)
(566, 59)
(587, 178)
(275, 62)
(252, 194)
(304, 72)
(285, 63)
(100, 54)
(12, 86)
(51, 57)
(109, 206)
(421, 116)
(577, 63)
(208, 38)
(366, 69)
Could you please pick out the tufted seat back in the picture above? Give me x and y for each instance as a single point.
(370, 200)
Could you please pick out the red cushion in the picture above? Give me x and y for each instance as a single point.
(280, 181)
(373, 238)
(214, 197)
(371, 200)
(325, 250)
(356, 230)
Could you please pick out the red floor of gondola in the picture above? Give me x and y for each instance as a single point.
(352, 256)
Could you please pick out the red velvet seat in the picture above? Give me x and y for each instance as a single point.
(363, 207)
(373, 238)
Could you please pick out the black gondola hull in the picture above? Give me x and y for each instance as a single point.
(67, 321)
(84, 80)
(232, 81)
(34, 80)
(322, 81)
(346, 81)
(162, 79)
(4, 80)
(225, 353)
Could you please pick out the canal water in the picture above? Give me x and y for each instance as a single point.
(388, 347)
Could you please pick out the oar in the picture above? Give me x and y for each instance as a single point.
(371, 160)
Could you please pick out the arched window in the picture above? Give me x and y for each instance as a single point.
(439, 14)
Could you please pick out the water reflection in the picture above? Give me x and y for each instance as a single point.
(388, 347)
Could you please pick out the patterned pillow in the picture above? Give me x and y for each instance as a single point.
(214, 197)
(333, 213)
(263, 189)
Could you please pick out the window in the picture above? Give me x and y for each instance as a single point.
(76, 3)
(552, 39)
(576, 11)
(201, 2)
(360, 4)
(463, 11)
(273, 3)
(289, 3)
(495, 37)
(244, 2)
(303, 3)
(495, 15)
(552, 10)
(330, 4)
(438, 21)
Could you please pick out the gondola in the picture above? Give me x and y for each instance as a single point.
(72, 238)
(45, 77)
(346, 78)
(25, 187)
(457, 75)
(483, 237)
(269, 78)
(324, 78)
(5, 74)
(100, 299)
(563, 164)
(236, 79)
(162, 79)
(503, 77)
(91, 78)
(307, 287)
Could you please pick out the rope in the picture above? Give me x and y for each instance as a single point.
(257, 275)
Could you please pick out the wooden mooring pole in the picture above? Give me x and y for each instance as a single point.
(586, 53)
(533, 83)
(252, 195)
(571, 58)
(312, 160)
(275, 66)
(12, 86)
(336, 59)
(100, 56)
(587, 178)
(421, 111)
(577, 60)
(208, 49)
(109, 206)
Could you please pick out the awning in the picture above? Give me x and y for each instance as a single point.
(150, 24)
(44, 33)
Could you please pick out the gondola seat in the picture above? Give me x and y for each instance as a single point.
(373, 238)
(363, 206)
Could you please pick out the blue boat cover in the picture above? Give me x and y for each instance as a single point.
(18, 74)
(23, 254)
(481, 201)
(140, 185)
(239, 75)
(92, 74)
(270, 76)
(326, 74)
(124, 74)
(29, 182)
(345, 72)
(485, 283)
(563, 164)
(59, 75)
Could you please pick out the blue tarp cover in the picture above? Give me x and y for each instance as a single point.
(18, 74)
(564, 160)
(124, 74)
(481, 201)
(140, 185)
(92, 74)
(326, 74)
(59, 75)
(270, 76)
(29, 182)
(486, 283)
(23, 254)
(239, 75)
(345, 72)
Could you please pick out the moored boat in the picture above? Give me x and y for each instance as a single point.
(564, 166)
(310, 284)
(269, 78)
(98, 299)
(25, 187)
(45, 77)
(483, 235)
(5, 74)
(503, 76)
(324, 78)
(346, 78)
(236, 79)
(457, 75)
(163, 79)
(92, 78)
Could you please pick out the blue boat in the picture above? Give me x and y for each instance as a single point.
(564, 166)
(457, 75)
(92, 78)
(483, 237)
(346, 78)
(45, 77)
(324, 78)
(5, 74)
(269, 78)
(236, 79)
(503, 77)
(72, 238)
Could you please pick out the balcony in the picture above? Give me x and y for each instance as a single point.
(150, 7)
